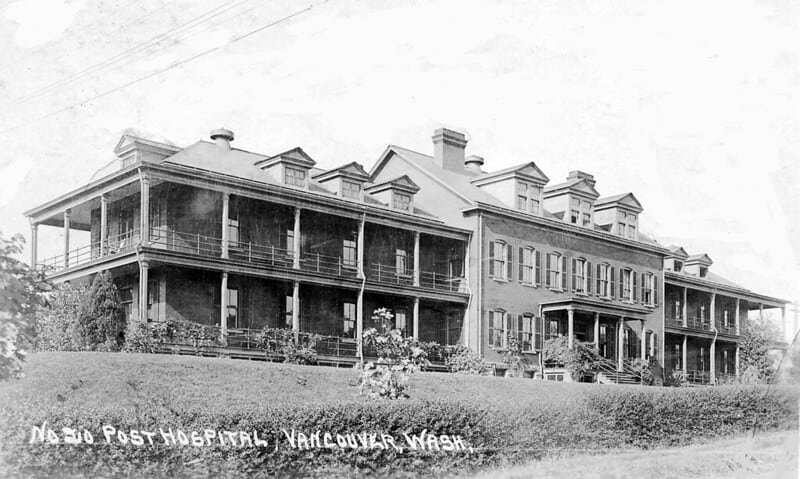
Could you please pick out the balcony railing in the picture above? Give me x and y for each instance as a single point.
(84, 254)
(384, 273)
(261, 254)
(442, 282)
(702, 324)
(335, 265)
(190, 243)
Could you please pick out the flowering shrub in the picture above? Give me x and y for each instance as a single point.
(513, 357)
(280, 341)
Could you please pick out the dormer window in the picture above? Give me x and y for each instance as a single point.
(351, 189)
(580, 212)
(677, 266)
(294, 176)
(703, 271)
(401, 201)
(529, 197)
(627, 224)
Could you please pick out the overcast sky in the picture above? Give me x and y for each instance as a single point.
(693, 106)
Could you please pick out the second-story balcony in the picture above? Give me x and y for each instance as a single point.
(701, 324)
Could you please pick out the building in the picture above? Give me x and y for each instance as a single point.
(243, 241)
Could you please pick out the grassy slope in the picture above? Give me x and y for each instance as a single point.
(100, 379)
(769, 455)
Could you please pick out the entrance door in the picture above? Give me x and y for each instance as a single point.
(606, 342)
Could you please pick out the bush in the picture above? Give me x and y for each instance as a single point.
(463, 360)
(398, 358)
(281, 342)
(643, 371)
(180, 331)
(140, 339)
(101, 319)
(56, 322)
(578, 360)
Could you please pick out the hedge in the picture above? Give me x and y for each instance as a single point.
(601, 419)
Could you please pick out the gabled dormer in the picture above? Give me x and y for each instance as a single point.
(131, 148)
(398, 193)
(676, 258)
(346, 181)
(619, 214)
(573, 201)
(519, 187)
(698, 264)
(290, 168)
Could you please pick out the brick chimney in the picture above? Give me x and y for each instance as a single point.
(222, 138)
(577, 174)
(448, 149)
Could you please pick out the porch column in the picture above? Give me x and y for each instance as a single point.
(620, 341)
(360, 248)
(416, 258)
(713, 361)
(296, 243)
(737, 316)
(761, 312)
(713, 313)
(360, 324)
(783, 324)
(226, 202)
(736, 356)
(416, 318)
(34, 243)
(685, 353)
(144, 214)
(143, 293)
(597, 331)
(643, 341)
(223, 306)
(296, 310)
(67, 214)
(103, 224)
(685, 307)
(570, 327)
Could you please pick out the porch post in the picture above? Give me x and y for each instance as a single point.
(223, 306)
(713, 312)
(416, 258)
(737, 360)
(67, 214)
(713, 361)
(296, 243)
(34, 243)
(144, 214)
(685, 353)
(783, 323)
(685, 307)
(103, 224)
(143, 293)
(737, 316)
(597, 331)
(620, 341)
(416, 318)
(360, 248)
(643, 341)
(226, 201)
(570, 327)
(761, 312)
(296, 310)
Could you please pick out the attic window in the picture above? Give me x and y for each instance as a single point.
(351, 189)
(401, 201)
(703, 271)
(677, 266)
(529, 196)
(627, 225)
(580, 212)
(294, 176)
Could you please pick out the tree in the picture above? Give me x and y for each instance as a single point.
(23, 291)
(101, 322)
(757, 335)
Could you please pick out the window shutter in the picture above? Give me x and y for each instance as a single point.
(621, 287)
(588, 278)
(547, 272)
(597, 289)
(520, 320)
(564, 273)
(655, 290)
(574, 279)
(539, 332)
(507, 330)
(521, 272)
(635, 286)
(611, 283)
(538, 277)
(491, 258)
(510, 263)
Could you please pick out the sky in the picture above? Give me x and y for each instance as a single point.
(692, 106)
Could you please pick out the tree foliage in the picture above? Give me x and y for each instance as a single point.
(55, 322)
(578, 360)
(757, 335)
(101, 322)
(23, 290)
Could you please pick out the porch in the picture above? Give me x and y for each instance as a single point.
(700, 360)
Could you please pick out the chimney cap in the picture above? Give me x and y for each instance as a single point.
(222, 133)
(449, 136)
(474, 159)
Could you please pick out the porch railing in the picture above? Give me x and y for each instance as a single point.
(440, 281)
(84, 254)
(702, 324)
(261, 254)
(191, 243)
(335, 265)
(698, 377)
(384, 273)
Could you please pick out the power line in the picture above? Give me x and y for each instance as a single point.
(170, 67)
(118, 58)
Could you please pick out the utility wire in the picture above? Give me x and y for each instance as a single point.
(199, 20)
(170, 67)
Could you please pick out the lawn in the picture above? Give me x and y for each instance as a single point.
(508, 421)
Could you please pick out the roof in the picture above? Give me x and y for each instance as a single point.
(529, 170)
(701, 258)
(401, 182)
(625, 199)
(234, 162)
(582, 185)
(352, 170)
(678, 252)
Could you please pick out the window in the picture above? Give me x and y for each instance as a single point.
(497, 319)
(528, 197)
(603, 280)
(676, 356)
(233, 232)
(401, 261)
(290, 242)
(401, 201)
(153, 300)
(552, 329)
(581, 275)
(233, 308)
(626, 224)
(527, 258)
(500, 260)
(556, 266)
(400, 320)
(126, 300)
(678, 266)
(524, 331)
(625, 285)
(701, 359)
(648, 281)
(351, 190)
(725, 321)
(294, 176)
(703, 271)
(725, 361)
(580, 211)
(574, 210)
(349, 253)
(678, 313)
(289, 311)
(349, 322)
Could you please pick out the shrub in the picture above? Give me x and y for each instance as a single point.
(643, 371)
(140, 339)
(462, 359)
(56, 322)
(180, 331)
(512, 356)
(398, 357)
(578, 360)
(281, 341)
(677, 378)
(101, 320)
